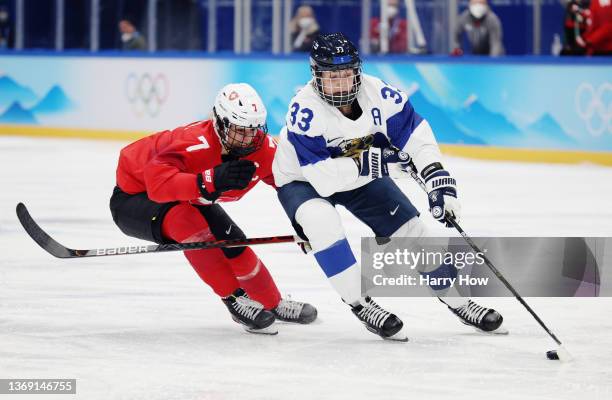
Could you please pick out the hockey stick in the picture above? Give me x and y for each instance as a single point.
(56, 249)
(561, 353)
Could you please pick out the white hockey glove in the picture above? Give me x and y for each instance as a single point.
(401, 163)
(373, 161)
(441, 193)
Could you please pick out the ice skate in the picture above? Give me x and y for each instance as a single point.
(249, 313)
(483, 319)
(289, 310)
(379, 321)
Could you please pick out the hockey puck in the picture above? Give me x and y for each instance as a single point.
(552, 355)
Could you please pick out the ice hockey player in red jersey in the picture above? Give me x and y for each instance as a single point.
(168, 188)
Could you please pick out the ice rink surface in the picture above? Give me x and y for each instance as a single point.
(146, 327)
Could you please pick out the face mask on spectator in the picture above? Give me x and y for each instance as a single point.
(126, 37)
(478, 10)
(392, 11)
(305, 22)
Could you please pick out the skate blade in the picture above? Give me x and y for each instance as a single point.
(398, 337)
(499, 331)
(270, 330)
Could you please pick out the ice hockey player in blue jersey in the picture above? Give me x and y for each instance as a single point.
(332, 152)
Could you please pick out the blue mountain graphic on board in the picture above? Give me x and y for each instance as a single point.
(445, 129)
(548, 131)
(16, 114)
(493, 127)
(11, 91)
(53, 102)
(547, 126)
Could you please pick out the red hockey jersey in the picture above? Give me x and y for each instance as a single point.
(599, 31)
(166, 164)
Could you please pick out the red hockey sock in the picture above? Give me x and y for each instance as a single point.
(255, 278)
(184, 224)
(212, 269)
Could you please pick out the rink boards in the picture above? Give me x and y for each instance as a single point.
(544, 109)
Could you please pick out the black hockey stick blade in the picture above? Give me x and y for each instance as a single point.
(58, 250)
(39, 236)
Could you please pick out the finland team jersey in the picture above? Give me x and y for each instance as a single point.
(318, 141)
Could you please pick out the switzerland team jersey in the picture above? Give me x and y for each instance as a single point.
(318, 141)
(166, 165)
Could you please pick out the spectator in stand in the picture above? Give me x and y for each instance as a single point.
(398, 30)
(483, 29)
(574, 25)
(597, 39)
(304, 29)
(5, 28)
(131, 39)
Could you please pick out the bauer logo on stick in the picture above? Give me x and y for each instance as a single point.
(122, 250)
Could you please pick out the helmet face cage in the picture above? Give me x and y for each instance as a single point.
(239, 140)
(340, 91)
(334, 60)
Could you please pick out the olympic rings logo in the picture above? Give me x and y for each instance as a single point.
(594, 107)
(147, 93)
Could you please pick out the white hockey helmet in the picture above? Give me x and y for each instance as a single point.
(240, 118)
